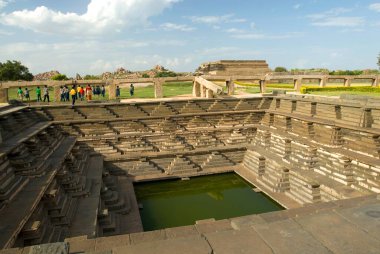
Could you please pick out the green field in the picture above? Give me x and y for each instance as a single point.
(171, 89)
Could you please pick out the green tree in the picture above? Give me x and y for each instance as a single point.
(59, 77)
(164, 74)
(14, 70)
(280, 69)
(145, 75)
(91, 77)
(378, 61)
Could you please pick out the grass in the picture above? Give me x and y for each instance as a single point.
(338, 93)
(177, 88)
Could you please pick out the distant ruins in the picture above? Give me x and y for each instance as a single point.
(234, 67)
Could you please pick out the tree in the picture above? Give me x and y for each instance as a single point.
(164, 74)
(91, 77)
(14, 70)
(280, 69)
(59, 77)
(145, 75)
(378, 61)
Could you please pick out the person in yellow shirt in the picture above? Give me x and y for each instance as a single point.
(73, 93)
(78, 93)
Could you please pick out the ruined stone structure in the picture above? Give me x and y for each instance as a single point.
(234, 67)
(203, 86)
(66, 173)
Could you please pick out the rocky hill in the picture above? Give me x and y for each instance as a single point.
(46, 75)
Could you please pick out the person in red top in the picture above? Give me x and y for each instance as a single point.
(88, 93)
(81, 93)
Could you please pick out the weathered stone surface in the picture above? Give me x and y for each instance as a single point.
(187, 245)
(148, 236)
(233, 241)
(58, 248)
(286, 236)
(366, 217)
(184, 231)
(338, 235)
(107, 243)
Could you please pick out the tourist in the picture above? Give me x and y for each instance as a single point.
(73, 93)
(78, 92)
(117, 92)
(27, 95)
(62, 93)
(20, 94)
(131, 90)
(67, 93)
(46, 94)
(81, 93)
(88, 92)
(98, 91)
(103, 91)
(38, 93)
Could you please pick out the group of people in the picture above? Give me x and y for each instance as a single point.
(77, 92)
(26, 94)
(81, 92)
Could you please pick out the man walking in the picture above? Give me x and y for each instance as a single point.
(38, 93)
(46, 94)
(73, 93)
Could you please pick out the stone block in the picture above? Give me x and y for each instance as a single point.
(237, 241)
(186, 245)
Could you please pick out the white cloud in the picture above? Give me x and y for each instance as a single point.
(375, 7)
(235, 30)
(211, 20)
(340, 22)
(296, 6)
(4, 3)
(101, 16)
(74, 57)
(179, 27)
(261, 36)
(334, 18)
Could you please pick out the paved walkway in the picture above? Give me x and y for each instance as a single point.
(344, 226)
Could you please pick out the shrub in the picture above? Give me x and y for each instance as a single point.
(59, 77)
(164, 74)
(145, 75)
(91, 77)
(367, 89)
(280, 69)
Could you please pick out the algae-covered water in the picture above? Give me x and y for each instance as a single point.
(175, 203)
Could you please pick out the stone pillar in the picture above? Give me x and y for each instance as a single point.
(230, 84)
(298, 84)
(209, 94)
(56, 93)
(112, 90)
(3, 95)
(376, 81)
(158, 89)
(347, 82)
(263, 86)
(196, 89)
(323, 82)
(203, 91)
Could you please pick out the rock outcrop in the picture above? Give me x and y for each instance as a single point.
(46, 75)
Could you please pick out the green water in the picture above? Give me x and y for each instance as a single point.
(176, 203)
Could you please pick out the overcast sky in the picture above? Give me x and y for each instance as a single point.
(94, 36)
